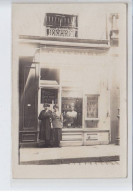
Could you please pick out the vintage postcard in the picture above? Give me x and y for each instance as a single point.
(69, 90)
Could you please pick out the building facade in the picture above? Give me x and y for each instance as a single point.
(70, 59)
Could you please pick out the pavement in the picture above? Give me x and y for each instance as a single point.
(67, 155)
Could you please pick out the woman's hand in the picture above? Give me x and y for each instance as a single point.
(51, 126)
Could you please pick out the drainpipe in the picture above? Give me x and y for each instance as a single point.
(117, 140)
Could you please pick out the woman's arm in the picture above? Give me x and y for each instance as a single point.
(44, 115)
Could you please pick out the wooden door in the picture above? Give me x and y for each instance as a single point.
(28, 83)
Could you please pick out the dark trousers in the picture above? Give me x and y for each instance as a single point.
(57, 137)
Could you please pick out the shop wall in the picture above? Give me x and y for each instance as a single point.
(115, 98)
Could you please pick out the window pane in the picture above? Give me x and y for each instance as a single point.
(72, 112)
(50, 75)
(92, 107)
(49, 96)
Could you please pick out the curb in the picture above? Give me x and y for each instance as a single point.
(72, 160)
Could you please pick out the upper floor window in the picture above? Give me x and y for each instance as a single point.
(61, 25)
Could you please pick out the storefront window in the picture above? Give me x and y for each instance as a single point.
(91, 119)
(72, 109)
(49, 76)
(49, 96)
(92, 107)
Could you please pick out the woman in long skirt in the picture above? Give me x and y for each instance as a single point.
(45, 126)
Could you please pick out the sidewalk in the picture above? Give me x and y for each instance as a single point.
(66, 155)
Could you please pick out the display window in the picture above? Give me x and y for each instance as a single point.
(72, 112)
(72, 103)
(91, 111)
(49, 96)
(92, 107)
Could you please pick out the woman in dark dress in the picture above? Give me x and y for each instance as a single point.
(45, 126)
(57, 126)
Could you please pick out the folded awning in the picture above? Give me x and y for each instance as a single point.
(66, 42)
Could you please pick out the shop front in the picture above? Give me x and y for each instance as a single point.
(74, 77)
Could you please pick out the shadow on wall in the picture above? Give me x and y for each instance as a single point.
(115, 103)
(114, 128)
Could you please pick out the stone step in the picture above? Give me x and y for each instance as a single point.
(71, 143)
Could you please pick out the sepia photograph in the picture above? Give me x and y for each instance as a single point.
(69, 90)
